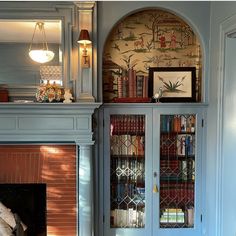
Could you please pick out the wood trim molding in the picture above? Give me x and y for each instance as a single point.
(86, 77)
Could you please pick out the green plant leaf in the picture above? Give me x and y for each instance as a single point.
(166, 85)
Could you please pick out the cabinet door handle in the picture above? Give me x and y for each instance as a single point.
(155, 189)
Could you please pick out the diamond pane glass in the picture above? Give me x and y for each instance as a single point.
(177, 171)
(127, 171)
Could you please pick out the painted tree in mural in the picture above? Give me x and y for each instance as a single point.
(186, 35)
(128, 63)
(154, 19)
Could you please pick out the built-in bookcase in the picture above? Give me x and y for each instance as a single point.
(152, 171)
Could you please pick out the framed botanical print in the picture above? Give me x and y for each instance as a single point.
(173, 84)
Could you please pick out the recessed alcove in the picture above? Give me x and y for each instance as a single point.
(147, 38)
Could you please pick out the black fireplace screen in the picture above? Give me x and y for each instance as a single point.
(27, 202)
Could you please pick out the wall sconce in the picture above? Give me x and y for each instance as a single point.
(84, 39)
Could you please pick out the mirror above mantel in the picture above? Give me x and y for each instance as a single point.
(18, 72)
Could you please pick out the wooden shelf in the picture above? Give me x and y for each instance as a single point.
(142, 157)
(132, 100)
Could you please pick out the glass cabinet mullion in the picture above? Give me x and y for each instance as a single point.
(177, 170)
(127, 171)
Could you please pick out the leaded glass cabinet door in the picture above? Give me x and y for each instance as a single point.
(126, 187)
(178, 187)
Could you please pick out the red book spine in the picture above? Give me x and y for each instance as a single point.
(134, 83)
(145, 86)
(131, 83)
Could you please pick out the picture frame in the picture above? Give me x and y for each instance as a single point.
(176, 84)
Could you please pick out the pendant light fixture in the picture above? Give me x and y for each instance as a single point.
(40, 53)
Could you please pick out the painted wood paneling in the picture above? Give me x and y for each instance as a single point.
(46, 122)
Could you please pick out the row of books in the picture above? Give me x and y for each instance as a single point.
(187, 170)
(132, 168)
(122, 177)
(127, 144)
(123, 191)
(177, 193)
(177, 170)
(132, 85)
(181, 144)
(168, 144)
(127, 124)
(172, 164)
(178, 123)
(130, 218)
(172, 215)
(170, 168)
(186, 145)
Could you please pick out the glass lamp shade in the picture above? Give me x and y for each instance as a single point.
(41, 56)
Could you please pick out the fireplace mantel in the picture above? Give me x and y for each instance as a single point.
(46, 122)
(57, 122)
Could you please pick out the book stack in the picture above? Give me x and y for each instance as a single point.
(127, 145)
(129, 218)
(169, 169)
(132, 83)
(184, 170)
(178, 123)
(172, 215)
(190, 213)
(127, 124)
(131, 86)
(178, 192)
(185, 145)
(168, 144)
(131, 170)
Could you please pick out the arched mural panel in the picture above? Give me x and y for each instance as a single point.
(148, 38)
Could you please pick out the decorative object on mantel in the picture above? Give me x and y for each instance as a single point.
(156, 97)
(67, 96)
(84, 39)
(49, 93)
(51, 73)
(3, 93)
(42, 54)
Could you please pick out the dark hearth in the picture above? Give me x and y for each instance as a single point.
(28, 201)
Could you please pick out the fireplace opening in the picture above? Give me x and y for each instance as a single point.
(28, 201)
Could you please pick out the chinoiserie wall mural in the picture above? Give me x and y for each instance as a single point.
(149, 38)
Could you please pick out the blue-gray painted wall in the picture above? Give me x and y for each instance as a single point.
(220, 166)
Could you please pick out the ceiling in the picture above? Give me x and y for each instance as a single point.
(22, 30)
